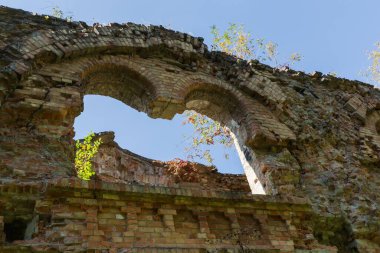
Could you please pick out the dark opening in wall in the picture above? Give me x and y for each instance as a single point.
(15, 230)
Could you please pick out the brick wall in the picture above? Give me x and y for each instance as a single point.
(74, 216)
(114, 164)
(312, 136)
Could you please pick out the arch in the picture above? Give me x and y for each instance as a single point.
(254, 128)
(121, 83)
(158, 73)
(160, 90)
(215, 102)
(262, 129)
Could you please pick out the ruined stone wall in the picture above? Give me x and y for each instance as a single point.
(78, 216)
(314, 137)
(114, 164)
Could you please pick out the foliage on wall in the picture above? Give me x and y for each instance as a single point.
(374, 68)
(85, 151)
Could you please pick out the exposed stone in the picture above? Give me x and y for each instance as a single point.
(312, 141)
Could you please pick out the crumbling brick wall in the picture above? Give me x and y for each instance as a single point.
(77, 216)
(114, 164)
(310, 136)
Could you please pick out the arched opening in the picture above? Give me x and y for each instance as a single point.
(138, 135)
(157, 139)
(120, 83)
(222, 106)
(132, 89)
(159, 91)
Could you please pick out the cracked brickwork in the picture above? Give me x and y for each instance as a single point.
(307, 137)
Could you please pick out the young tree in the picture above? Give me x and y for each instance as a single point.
(374, 68)
(235, 40)
(206, 132)
(58, 13)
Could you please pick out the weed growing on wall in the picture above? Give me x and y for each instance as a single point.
(85, 151)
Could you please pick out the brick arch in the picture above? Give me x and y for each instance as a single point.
(119, 82)
(171, 91)
(168, 87)
(224, 106)
(57, 49)
(261, 128)
(156, 76)
(48, 46)
(158, 88)
(256, 132)
(215, 101)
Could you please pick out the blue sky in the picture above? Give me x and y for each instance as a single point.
(331, 36)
